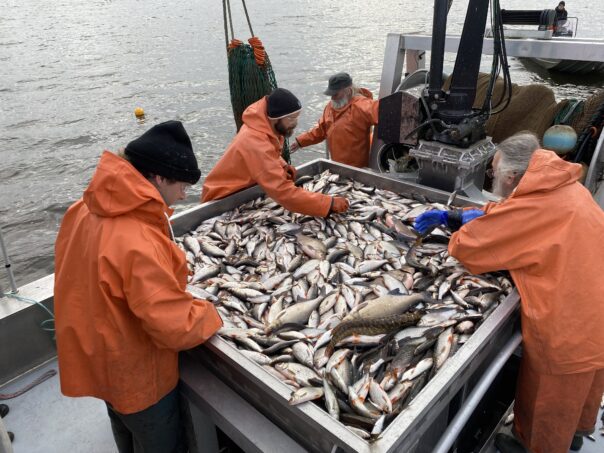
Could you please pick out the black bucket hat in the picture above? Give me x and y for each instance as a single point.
(337, 82)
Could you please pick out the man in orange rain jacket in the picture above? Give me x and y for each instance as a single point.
(346, 123)
(549, 233)
(122, 312)
(254, 157)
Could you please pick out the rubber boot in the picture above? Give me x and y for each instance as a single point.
(509, 444)
(577, 442)
(4, 410)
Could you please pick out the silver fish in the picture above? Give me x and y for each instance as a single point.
(305, 394)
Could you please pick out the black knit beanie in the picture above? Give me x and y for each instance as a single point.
(281, 103)
(165, 150)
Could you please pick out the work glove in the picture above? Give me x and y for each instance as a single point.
(451, 219)
(291, 172)
(339, 205)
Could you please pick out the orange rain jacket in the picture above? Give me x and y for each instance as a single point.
(122, 312)
(550, 235)
(347, 130)
(254, 157)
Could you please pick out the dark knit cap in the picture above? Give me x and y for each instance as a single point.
(281, 103)
(165, 150)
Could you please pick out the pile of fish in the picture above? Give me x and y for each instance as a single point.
(355, 312)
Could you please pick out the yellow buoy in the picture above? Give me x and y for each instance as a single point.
(139, 112)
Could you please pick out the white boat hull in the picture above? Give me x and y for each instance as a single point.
(569, 66)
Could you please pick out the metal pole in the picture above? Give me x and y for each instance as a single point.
(459, 421)
(439, 31)
(7, 264)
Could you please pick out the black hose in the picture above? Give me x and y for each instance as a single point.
(586, 136)
(507, 79)
(425, 123)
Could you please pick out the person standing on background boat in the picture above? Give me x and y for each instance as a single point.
(346, 122)
(549, 233)
(254, 157)
(122, 312)
(561, 13)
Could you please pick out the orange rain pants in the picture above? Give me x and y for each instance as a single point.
(550, 408)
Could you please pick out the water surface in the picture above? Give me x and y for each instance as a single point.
(72, 72)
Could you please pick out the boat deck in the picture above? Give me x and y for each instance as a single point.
(45, 421)
(589, 446)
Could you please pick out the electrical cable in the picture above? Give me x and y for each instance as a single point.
(425, 123)
(507, 79)
(486, 106)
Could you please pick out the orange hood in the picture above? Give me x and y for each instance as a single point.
(255, 117)
(117, 188)
(547, 172)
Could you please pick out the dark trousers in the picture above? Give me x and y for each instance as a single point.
(157, 429)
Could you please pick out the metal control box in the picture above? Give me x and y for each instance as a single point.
(451, 168)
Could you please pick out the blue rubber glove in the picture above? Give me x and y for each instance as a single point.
(430, 219)
(436, 217)
(470, 214)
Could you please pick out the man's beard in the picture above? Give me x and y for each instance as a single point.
(498, 188)
(341, 103)
(286, 132)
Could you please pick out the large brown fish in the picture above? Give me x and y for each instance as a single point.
(372, 326)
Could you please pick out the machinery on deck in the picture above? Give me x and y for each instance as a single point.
(428, 131)
(441, 128)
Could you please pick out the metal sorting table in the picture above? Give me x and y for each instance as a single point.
(261, 395)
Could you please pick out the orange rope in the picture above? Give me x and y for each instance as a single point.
(259, 52)
(234, 43)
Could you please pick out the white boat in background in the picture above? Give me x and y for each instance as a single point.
(569, 66)
(567, 29)
(548, 29)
